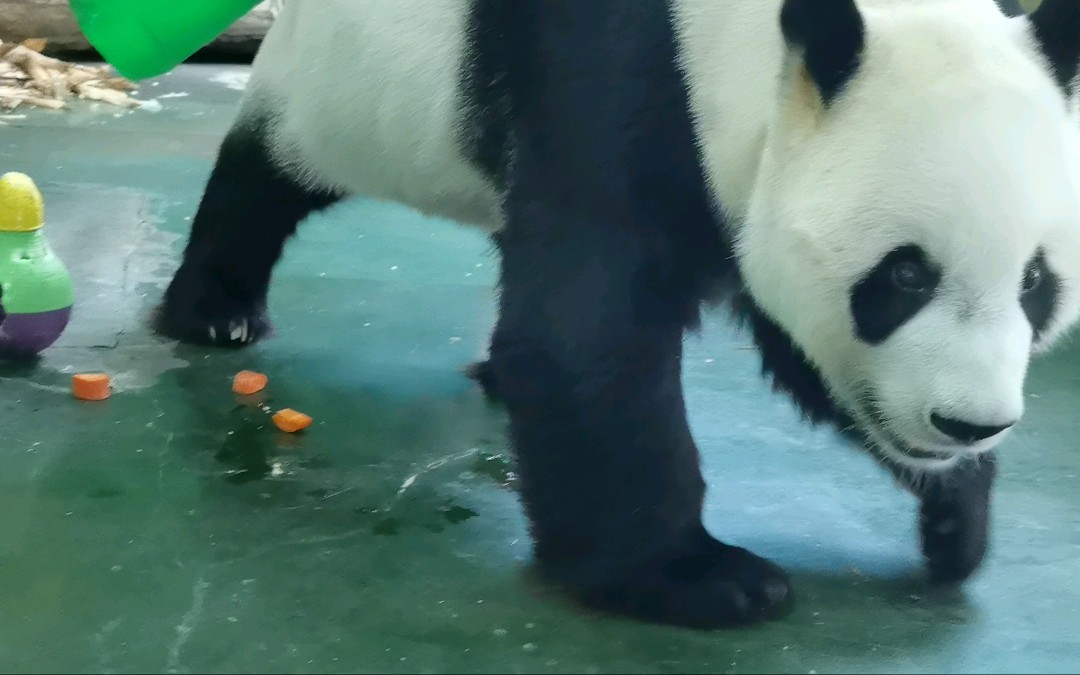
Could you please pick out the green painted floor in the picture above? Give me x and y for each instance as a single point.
(169, 530)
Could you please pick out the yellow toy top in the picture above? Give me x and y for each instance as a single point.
(21, 206)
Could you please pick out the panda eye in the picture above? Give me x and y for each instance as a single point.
(1032, 279)
(912, 276)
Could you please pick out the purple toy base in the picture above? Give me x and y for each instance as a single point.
(24, 335)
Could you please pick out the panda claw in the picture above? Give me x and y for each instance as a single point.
(238, 331)
(230, 332)
(197, 310)
(236, 328)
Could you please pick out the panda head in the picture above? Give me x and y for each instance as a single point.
(915, 222)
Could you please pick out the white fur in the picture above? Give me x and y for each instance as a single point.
(951, 136)
(367, 97)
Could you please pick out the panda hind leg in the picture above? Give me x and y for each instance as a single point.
(248, 211)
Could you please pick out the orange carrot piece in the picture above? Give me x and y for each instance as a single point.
(91, 386)
(249, 382)
(291, 421)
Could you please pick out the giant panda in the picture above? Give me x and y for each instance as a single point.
(886, 192)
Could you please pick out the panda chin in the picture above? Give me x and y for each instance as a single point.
(891, 449)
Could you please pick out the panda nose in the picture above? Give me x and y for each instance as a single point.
(966, 432)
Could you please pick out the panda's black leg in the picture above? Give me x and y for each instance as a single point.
(248, 211)
(586, 358)
(954, 519)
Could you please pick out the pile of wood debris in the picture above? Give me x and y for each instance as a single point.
(28, 77)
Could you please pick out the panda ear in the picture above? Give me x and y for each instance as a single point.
(1056, 26)
(829, 36)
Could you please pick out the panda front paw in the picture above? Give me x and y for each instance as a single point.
(954, 521)
(238, 330)
(195, 312)
(716, 586)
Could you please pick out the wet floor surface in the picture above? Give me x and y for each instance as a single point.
(173, 529)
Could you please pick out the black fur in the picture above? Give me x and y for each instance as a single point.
(830, 35)
(879, 307)
(1056, 25)
(485, 96)
(1039, 304)
(954, 519)
(248, 210)
(790, 370)
(1010, 7)
(610, 247)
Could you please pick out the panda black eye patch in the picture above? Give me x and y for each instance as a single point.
(1039, 292)
(890, 294)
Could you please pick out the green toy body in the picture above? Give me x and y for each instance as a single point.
(37, 294)
(33, 278)
(146, 38)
